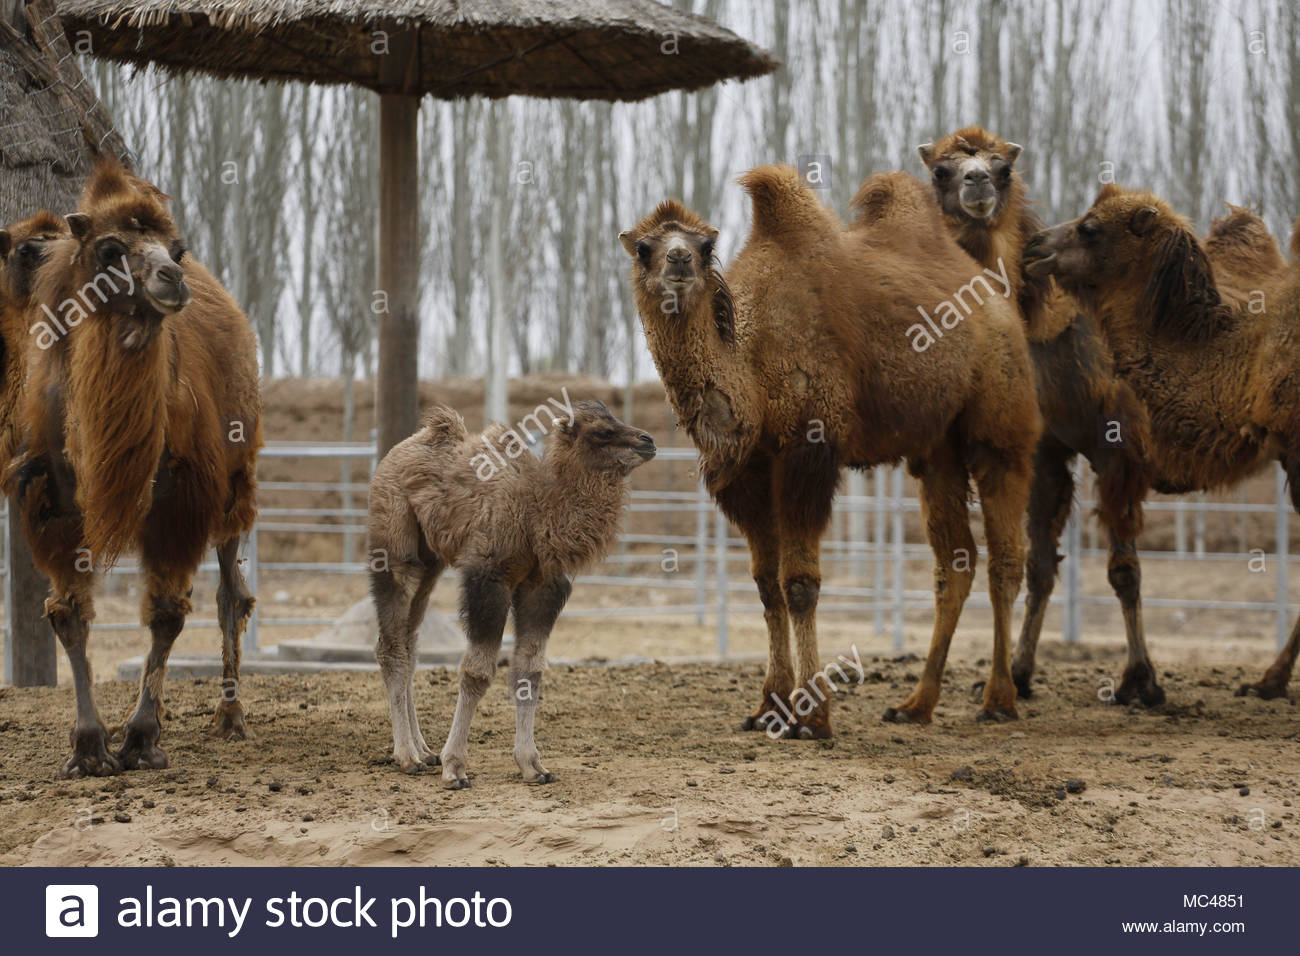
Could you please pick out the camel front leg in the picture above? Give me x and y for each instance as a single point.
(1050, 498)
(164, 609)
(70, 608)
(1125, 574)
(805, 490)
(1004, 491)
(234, 605)
(944, 486)
(748, 501)
(536, 609)
(485, 603)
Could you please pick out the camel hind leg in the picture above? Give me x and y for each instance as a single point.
(945, 486)
(1050, 498)
(234, 605)
(401, 594)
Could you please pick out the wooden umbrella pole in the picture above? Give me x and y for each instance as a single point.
(396, 387)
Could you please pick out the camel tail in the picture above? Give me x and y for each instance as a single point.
(781, 200)
(442, 425)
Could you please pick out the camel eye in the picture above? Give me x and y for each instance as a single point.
(1089, 229)
(1003, 172)
(177, 251)
(110, 250)
(706, 249)
(942, 174)
(643, 252)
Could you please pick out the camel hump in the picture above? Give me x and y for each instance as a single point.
(893, 196)
(442, 425)
(782, 203)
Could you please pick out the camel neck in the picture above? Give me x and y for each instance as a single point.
(117, 417)
(578, 512)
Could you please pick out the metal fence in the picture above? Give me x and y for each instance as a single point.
(867, 539)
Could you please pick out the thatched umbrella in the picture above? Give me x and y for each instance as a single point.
(403, 49)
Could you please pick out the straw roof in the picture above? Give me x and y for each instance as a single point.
(52, 127)
(587, 49)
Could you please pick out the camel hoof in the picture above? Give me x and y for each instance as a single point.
(412, 767)
(997, 715)
(458, 783)
(228, 722)
(90, 755)
(1264, 690)
(1140, 687)
(142, 757)
(90, 765)
(1022, 681)
(541, 778)
(901, 715)
(757, 722)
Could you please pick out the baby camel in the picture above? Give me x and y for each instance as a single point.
(517, 529)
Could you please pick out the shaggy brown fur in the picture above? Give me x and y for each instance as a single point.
(1216, 365)
(1087, 407)
(517, 528)
(141, 425)
(820, 373)
(22, 250)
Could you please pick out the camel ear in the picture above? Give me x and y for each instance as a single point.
(1013, 152)
(6, 243)
(79, 223)
(629, 242)
(1141, 222)
(926, 152)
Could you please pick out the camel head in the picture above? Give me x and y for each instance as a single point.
(674, 269)
(123, 225)
(23, 247)
(1130, 251)
(972, 174)
(601, 442)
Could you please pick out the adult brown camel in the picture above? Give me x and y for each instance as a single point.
(1216, 365)
(517, 530)
(141, 423)
(22, 250)
(1088, 409)
(808, 356)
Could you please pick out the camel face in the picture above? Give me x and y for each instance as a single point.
(135, 240)
(23, 247)
(971, 173)
(673, 253)
(604, 442)
(1105, 244)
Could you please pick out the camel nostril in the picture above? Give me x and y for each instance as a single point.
(679, 256)
(977, 178)
(171, 273)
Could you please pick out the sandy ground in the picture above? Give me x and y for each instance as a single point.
(652, 771)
